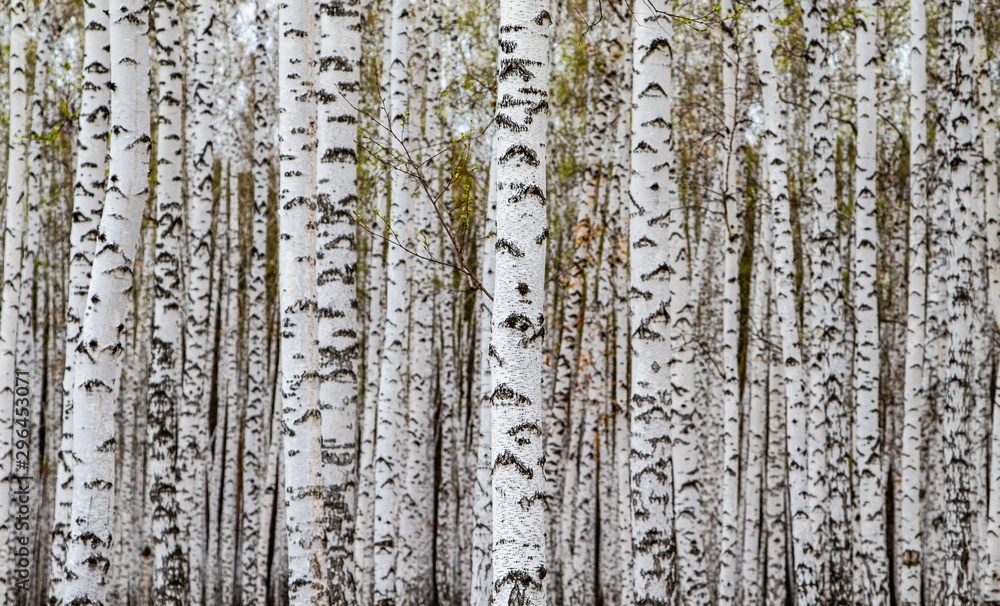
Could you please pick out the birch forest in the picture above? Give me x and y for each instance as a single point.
(500, 302)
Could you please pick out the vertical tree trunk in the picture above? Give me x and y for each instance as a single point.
(392, 393)
(377, 205)
(414, 571)
(519, 559)
(16, 203)
(297, 287)
(169, 562)
(776, 157)
(959, 400)
(870, 565)
(778, 574)
(254, 429)
(230, 390)
(990, 556)
(654, 577)
(824, 315)
(192, 418)
(338, 97)
(909, 547)
(98, 357)
(729, 548)
(88, 199)
(482, 508)
(756, 492)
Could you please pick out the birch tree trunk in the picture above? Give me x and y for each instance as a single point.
(338, 97)
(16, 205)
(758, 430)
(297, 286)
(414, 541)
(252, 566)
(990, 556)
(192, 418)
(519, 559)
(169, 561)
(870, 565)
(88, 200)
(654, 578)
(392, 375)
(959, 401)
(909, 548)
(482, 509)
(97, 375)
(778, 573)
(776, 154)
(824, 316)
(729, 550)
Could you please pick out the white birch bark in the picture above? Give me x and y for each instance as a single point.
(909, 547)
(364, 528)
(482, 511)
(689, 516)
(338, 97)
(198, 338)
(270, 545)
(870, 563)
(374, 341)
(519, 559)
(392, 391)
(824, 315)
(776, 514)
(729, 549)
(959, 399)
(297, 286)
(990, 555)
(654, 578)
(169, 562)
(759, 432)
(414, 542)
(88, 199)
(96, 382)
(775, 155)
(16, 205)
(252, 566)
(224, 523)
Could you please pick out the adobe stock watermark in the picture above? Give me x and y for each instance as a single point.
(20, 481)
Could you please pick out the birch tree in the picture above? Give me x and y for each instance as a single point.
(192, 420)
(392, 390)
(170, 566)
(88, 199)
(16, 203)
(910, 545)
(336, 256)
(97, 364)
(519, 559)
(776, 154)
(959, 400)
(824, 316)
(990, 555)
(254, 419)
(482, 530)
(652, 181)
(728, 547)
(871, 565)
(297, 221)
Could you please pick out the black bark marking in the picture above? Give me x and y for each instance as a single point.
(529, 156)
(517, 321)
(504, 244)
(529, 190)
(507, 458)
(504, 392)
